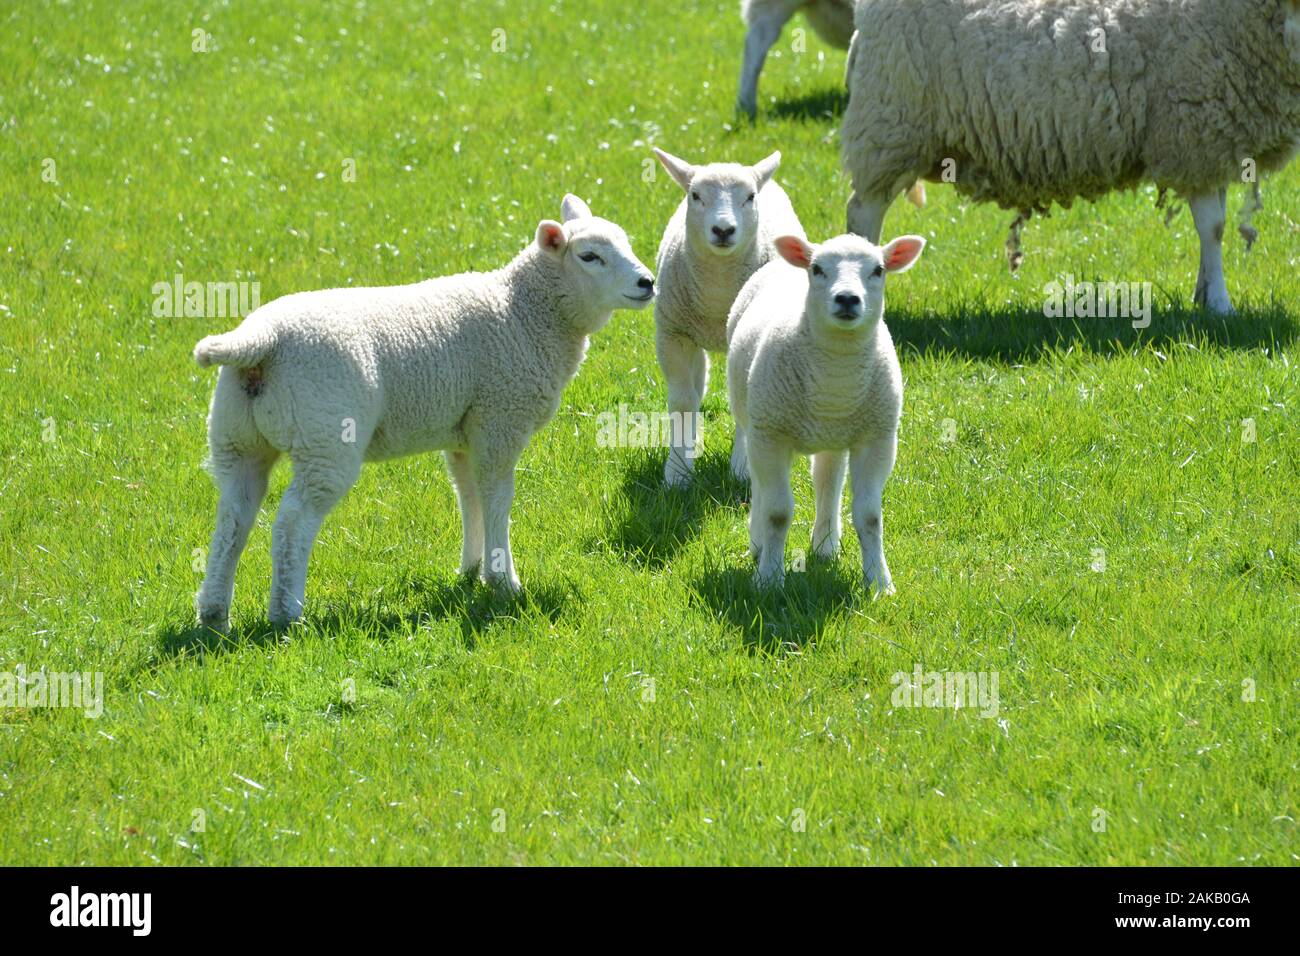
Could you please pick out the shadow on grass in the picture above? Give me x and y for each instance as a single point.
(780, 619)
(1026, 335)
(820, 105)
(648, 523)
(475, 606)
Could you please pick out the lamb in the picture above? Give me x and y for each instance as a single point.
(811, 370)
(720, 235)
(473, 364)
(1035, 102)
(832, 20)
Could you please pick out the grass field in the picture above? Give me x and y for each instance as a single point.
(1078, 506)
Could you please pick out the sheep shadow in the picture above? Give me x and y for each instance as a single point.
(1026, 335)
(818, 106)
(475, 606)
(778, 620)
(649, 523)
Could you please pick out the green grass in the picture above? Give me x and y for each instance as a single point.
(1120, 689)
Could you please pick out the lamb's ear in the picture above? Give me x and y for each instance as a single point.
(551, 237)
(764, 168)
(901, 254)
(794, 251)
(574, 208)
(681, 171)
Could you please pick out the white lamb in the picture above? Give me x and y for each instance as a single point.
(1033, 102)
(831, 19)
(720, 235)
(473, 364)
(811, 370)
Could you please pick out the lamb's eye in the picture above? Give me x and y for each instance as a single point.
(591, 257)
(879, 271)
(749, 198)
(695, 195)
(817, 271)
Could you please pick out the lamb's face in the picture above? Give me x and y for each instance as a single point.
(722, 201)
(846, 277)
(598, 266)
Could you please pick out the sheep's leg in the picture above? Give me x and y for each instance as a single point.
(866, 216)
(686, 369)
(242, 484)
(870, 466)
(828, 469)
(739, 457)
(471, 511)
(1211, 213)
(314, 491)
(497, 490)
(764, 30)
(771, 508)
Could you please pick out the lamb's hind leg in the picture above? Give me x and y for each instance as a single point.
(242, 483)
(471, 511)
(316, 488)
(1210, 213)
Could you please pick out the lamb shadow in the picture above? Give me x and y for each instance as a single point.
(649, 524)
(474, 605)
(821, 105)
(1026, 335)
(780, 619)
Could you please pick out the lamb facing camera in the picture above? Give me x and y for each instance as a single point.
(811, 370)
(472, 364)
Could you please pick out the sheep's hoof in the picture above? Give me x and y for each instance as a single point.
(769, 580)
(826, 546)
(747, 108)
(214, 619)
(879, 587)
(507, 585)
(675, 476)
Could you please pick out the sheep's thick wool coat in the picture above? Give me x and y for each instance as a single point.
(1037, 102)
(697, 288)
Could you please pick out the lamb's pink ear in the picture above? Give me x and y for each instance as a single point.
(901, 254)
(681, 171)
(794, 251)
(550, 236)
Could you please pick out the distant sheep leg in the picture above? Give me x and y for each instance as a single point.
(828, 471)
(870, 465)
(866, 215)
(1211, 213)
(763, 32)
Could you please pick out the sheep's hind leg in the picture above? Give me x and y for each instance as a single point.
(739, 456)
(314, 491)
(686, 369)
(1210, 213)
(771, 509)
(871, 464)
(242, 482)
(763, 32)
(471, 511)
(828, 469)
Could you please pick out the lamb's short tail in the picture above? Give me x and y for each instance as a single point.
(244, 347)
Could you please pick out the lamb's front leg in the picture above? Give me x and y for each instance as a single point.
(771, 507)
(828, 469)
(493, 460)
(686, 369)
(471, 511)
(870, 464)
(1210, 212)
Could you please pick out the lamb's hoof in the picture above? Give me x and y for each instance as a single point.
(749, 108)
(214, 619)
(740, 469)
(507, 585)
(676, 477)
(879, 587)
(826, 546)
(769, 580)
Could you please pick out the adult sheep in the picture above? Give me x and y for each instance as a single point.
(1035, 102)
(472, 364)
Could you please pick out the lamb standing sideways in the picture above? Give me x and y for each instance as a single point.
(811, 370)
(473, 364)
(1034, 102)
(720, 235)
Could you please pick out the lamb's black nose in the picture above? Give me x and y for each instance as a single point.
(726, 233)
(646, 283)
(846, 301)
